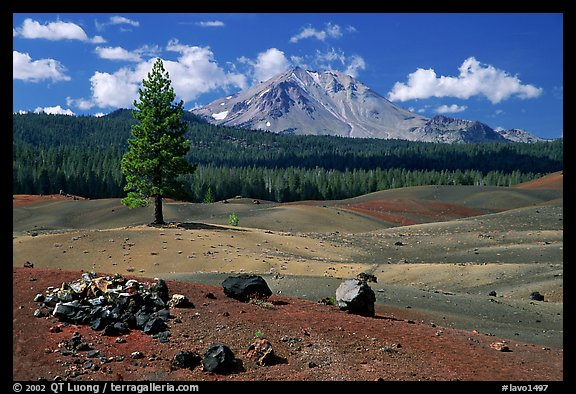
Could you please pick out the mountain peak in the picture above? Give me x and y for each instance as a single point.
(301, 101)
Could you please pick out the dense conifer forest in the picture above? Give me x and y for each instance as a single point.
(81, 155)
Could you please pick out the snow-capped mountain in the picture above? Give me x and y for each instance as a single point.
(307, 102)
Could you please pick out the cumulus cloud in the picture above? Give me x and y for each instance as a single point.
(270, 63)
(210, 24)
(117, 53)
(267, 64)
(330, 31)
(450, 109)
(57, 110)
(475, 79)
(195, 72)
(118, 90)
(54, 31)
(26, 69)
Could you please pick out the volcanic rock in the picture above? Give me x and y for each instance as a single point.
(246, 286)
(356, 296)
(218, 358)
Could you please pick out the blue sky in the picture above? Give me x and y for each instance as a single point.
(503, 69)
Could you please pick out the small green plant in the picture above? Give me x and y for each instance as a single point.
(259, 334)
(233, 219)
(208, 197)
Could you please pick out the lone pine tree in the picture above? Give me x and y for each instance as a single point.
(156, 154)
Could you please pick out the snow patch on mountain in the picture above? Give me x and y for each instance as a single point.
(220, 115)
(309, 102)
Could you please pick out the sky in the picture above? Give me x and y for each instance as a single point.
(502, 69)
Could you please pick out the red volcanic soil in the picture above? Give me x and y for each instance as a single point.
(19, 200)
(407, 212)
(554, 181)
(311, 341)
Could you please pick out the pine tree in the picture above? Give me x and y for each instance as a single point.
(155, 156)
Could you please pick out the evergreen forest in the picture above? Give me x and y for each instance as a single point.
(81, 155)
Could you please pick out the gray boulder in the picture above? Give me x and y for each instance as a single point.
(355, 296)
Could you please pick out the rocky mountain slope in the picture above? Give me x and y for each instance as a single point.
(307, 102)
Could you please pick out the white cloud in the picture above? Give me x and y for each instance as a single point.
(54, 31)
(118, 90)
(475, 79)
(197, 72)
(355, 63)
(117, 53)
(330, 31)
(116, 20)
(26, 69)
(57, 110)
(270, 63)
(120, 20)
(450, 109)
(350, 65)
(194, 73)
(210, 24)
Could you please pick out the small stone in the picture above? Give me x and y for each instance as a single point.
(500, 346)
(180, 301)
(136, 355)
(536, 296)
(261, 351)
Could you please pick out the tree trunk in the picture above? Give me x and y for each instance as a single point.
(158, 216)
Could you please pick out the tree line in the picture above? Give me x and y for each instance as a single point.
(81, 155)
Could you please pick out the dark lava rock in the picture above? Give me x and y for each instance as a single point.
(245, 286)
(110, 303)
(186, 359)
(367, 277)
(218, 358)
(536, 296)
(154, 326)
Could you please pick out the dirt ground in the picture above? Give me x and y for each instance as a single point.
(311, 342)
(435, 318)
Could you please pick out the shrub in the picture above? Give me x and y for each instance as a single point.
(233, 219)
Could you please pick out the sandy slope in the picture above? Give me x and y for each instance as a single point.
(461, 243)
